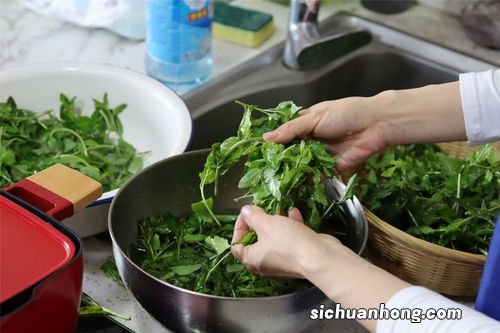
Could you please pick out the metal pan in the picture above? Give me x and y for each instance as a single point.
(171, 186)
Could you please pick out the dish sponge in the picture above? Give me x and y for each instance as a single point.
(241, 26)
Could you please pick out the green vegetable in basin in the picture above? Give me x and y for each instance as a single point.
(94, 145)
(194, 251)
(446, 201)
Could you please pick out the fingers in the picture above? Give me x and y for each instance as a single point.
(348, 155)
(254, 216)
(295, 214)
(297, 128)
(240, 252)
(251, 217)
(247, 255)
(240, 229)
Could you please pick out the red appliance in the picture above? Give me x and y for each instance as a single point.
(41, 264)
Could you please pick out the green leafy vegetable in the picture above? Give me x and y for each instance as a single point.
(446, 201)
(89, 307)
(185, 269)
(174, 250)
(193, 252)
(278, 177)
(111, 271)
(94, 145)
(220, 245)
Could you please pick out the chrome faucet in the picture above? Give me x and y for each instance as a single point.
(306, 49)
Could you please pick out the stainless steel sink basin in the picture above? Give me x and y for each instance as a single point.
(393, 60)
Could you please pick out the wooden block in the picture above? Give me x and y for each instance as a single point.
(69, 184)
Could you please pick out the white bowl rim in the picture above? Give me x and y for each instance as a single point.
(41, 67)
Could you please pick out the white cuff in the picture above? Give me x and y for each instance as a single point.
(419, 297)
(480, 93)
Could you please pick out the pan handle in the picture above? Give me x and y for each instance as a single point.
(58, 191)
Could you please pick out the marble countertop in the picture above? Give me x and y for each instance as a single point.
(26, 38)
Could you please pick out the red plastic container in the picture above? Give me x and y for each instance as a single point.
(41, 260)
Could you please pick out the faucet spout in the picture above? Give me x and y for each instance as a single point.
(305, 49)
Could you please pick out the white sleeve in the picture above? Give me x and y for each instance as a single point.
(419, 297)
(480, 94)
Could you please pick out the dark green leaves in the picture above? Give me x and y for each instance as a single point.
(195, 252)
(203, 209)
(185, 269)
(93, 144)
(278, 177)
(251, 177)
(111, 271)
(446, 201)
(177, 251)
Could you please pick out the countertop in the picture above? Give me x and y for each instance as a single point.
(27, 37)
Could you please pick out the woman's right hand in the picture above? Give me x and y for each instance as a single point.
(347, 126)
(356, 127)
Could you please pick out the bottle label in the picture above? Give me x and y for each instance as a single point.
(179, 31)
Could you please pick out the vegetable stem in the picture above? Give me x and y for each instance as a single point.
(63, 129)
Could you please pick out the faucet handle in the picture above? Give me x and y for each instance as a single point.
(305, 49)
(332, 47)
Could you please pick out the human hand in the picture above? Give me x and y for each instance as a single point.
(284, 247)
(356, 127)
(345, 125)
(288, 248)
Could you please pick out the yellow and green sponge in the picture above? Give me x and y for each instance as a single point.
(241, 26)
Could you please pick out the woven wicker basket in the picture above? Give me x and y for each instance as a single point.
(416, 261)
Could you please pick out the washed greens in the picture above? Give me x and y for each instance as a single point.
(89, 307)
(193, 252)
(111, 271)
(94, 145)
(444, 200)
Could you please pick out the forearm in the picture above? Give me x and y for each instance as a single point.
(348, 279)
(429, 114)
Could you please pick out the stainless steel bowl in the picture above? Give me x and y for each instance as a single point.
(171, 186)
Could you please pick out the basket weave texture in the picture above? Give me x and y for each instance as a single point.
(444, 270)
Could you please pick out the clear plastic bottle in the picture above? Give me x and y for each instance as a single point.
(178, 40)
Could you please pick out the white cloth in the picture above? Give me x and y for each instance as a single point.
(419, 297)
(481, 105)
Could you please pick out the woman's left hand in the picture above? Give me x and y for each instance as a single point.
(285, 246)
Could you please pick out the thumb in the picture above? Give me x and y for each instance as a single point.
(254, 217)
(295, 214)
(247, 220)
(299, 127)
(247, 255)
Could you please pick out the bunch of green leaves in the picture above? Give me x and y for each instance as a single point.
(94, 145)
(447, 201)
(193, 252)
(278, 177)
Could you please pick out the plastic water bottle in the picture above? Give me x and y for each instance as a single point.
(178, 40)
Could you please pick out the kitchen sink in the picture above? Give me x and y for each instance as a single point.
(393, 60)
